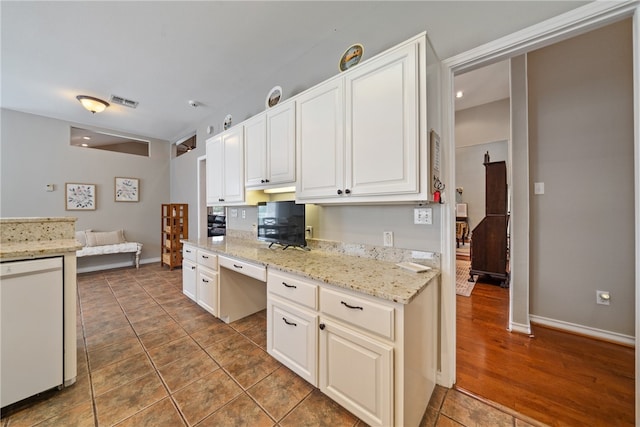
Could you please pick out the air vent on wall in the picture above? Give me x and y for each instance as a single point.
(123, 101)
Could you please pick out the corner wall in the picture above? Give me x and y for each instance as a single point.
(35, 151)
(581, 147)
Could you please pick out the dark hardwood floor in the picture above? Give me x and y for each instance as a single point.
(554, 377)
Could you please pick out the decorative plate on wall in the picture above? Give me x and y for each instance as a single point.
(351, 56)
(274, 96)
(227, 122)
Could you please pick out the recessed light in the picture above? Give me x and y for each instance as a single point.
(459, 94)
(86, 137)
(84, 145)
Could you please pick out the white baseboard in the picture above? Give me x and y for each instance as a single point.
(122, 264)
(520, 327)
(585, 330)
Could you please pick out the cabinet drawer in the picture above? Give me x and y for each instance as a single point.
(252, 270)
(208, 259)
(293, 288)
(368, 315)
(189, 252)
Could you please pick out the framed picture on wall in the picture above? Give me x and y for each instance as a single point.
(127, 189)
(80, 197)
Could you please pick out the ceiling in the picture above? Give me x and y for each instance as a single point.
(164, 54)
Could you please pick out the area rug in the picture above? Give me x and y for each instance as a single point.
(463, 287)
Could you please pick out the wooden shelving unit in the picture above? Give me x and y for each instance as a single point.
(175, 227)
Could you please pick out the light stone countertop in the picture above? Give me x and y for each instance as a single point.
(34, 249)
(380, 279)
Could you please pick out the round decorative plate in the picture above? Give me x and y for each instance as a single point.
(227, 122)
(351, 56)
(274, 96)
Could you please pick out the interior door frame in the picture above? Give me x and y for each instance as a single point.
(578, 21)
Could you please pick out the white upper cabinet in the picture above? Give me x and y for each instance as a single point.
(362, 135)
(270, 156)
(225, 168)
(320, 139)
(382, 125)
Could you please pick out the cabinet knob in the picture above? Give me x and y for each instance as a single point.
(347, 191)
(266, 180)
(321, 326)
(262, 181)
(339, 192)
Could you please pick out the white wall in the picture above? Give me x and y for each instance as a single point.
(581, 147)
(35, 151)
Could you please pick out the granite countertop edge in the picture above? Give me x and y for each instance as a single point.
(381, 279)
(32, 249)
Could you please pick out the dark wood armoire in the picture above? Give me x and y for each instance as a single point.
(489, 245)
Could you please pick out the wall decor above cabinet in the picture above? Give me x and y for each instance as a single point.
(274, 96)
(227, 122)
(351, 57)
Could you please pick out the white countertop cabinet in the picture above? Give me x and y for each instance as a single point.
(361, 330)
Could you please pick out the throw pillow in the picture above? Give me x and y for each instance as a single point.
(105, 238)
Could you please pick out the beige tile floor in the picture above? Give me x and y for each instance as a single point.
(149, 356)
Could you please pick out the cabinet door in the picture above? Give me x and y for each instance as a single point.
(255, 144)
(233, 158)
(208, 290)
(382, 125)
(357, 372)
(281, 138)
(292, 337)
(215, 171)
(320, 139)
(189, 279)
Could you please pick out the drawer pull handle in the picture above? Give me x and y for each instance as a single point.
(204, 256)
(289, 286)
(187, 251)
(205, 280)
(193, 267)
(354, 307)
(237, 266)
(289, 323)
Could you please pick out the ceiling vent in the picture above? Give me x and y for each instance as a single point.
(123, 101)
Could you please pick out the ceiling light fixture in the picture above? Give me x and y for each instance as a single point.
(95, 105)
(459, 94)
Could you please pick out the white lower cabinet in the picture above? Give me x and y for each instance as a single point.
(293, 338)
(189, 272)
(189, 279)
(200, 277)
(357, 372)
(208, 290)
(375, 357)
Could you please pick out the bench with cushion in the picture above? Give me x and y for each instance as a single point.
(106, 242)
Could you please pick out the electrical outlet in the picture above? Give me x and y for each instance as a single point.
(234, 213)
(423, 216)
(603, 297)
(308, 232)
(244, 213)
(387, 238)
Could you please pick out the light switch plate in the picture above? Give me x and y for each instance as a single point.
(423, 216)
(538, 188)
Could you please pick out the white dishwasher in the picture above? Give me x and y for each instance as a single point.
(31, 328)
